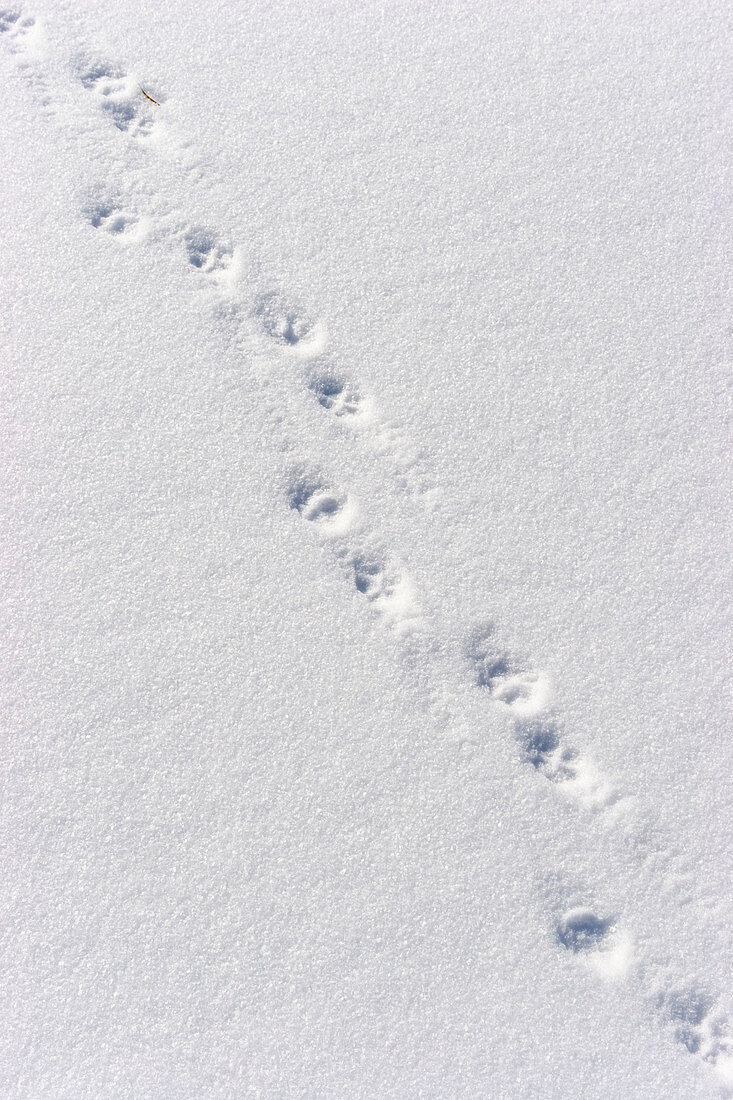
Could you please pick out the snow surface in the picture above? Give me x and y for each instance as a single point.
(364, 569)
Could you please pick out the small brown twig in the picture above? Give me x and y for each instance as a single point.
(155, 101)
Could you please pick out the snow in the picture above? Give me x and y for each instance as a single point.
(365, 728)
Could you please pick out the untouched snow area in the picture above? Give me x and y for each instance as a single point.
(364, 557)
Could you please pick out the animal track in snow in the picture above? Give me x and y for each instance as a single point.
(8, 20)
(582, 930)
(700, 1026)
(595, 941)
(526, 694)
(341, 397)
(380, 579)
(21, 31)
(290, 328)
(332, 513)
(386, 586)
(120, 97)
(337, 394)
(119, 223)
(576, 775)
(524, 691)
(213, 257)
(544, 751)
(695, 1016)
(295, 333)
(592, 940)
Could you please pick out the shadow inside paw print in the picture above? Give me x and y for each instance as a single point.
(120, 96)
(19, 29)
(489, 663)
(702, 1027)
(126, 117)
(370, 575)
(104, 78)
(8, 20)
(111, 218)
(508, 679)
(281, 323)
(206, 253)
(541, 743)
(580, 930)
(688, 1010)
(289, 326)
(331, 512)
(335, 394)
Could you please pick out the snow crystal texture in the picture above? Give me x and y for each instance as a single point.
(365, 729)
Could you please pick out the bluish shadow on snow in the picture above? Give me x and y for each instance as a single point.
(485, 656)
(580, 930)
(687, 1009)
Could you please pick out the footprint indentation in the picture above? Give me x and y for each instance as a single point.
(524, 691)
(387, 587)
(595, 941)
(21, 30)
(336, 394)
(8, 20)
(103, 77)
(543, 749)
(582, 930)
(291, 328)
(127, 117)
(372, 577)
(110, 218)
(331, 512)
(120, 97)
(577, 775)
(375, 575)
(701, 1027)
(114, 220)
(207, 253)
(688, 1009)
(213, 257)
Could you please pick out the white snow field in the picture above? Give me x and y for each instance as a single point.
(364, 558)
